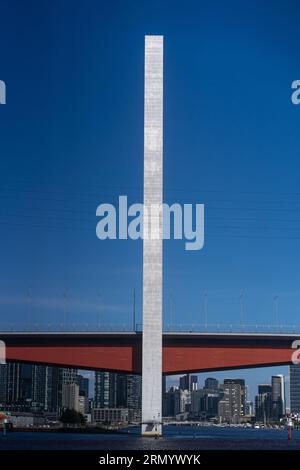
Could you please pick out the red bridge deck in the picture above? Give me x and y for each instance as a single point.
(122, 352)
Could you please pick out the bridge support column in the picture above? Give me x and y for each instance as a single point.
(152, 243)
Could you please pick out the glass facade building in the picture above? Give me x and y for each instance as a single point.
(295, 388)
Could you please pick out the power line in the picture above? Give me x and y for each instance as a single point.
(9, 225)
(99, 184)
(94, 220)
(111, 189)
(92, 213)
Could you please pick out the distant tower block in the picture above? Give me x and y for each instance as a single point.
(152, 248)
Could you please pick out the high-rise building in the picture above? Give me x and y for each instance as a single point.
(295, 388)
(53, 389)
(230, 404)
(24, 387)
(13, 383)
(45, 388)
(121, 384)
(197, 402)
(264, 388)
(182, 401)
(39, 385)
(105, 390)
(168, 403)
(211, 383)
(25, 384)
(205, 403)
(263, 403)
(184, 382)
(70, 396)
(263, 407)
(65, 376)
(240, 382)
(210, 404)
(134, 397)
(83, 383)
(3, 381)
(46, 391)
(10, 379)
(278, 397)
(16, 386)
(68, 376)
(114, 390)
(193, 383)
(83, 404)
(188, 382)
(249, 408)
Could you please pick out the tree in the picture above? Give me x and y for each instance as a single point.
(72, 417)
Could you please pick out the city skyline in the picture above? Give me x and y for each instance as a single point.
(173, 380)
(36, 390)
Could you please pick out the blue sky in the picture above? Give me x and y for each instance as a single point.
(71, 137)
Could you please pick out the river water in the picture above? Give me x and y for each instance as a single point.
(174, 438)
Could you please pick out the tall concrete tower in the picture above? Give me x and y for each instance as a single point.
(152, 244)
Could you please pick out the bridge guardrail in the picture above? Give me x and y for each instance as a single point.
(61, 327)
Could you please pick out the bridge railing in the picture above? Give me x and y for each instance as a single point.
(232, 328)
(126, 327)
(62, 327)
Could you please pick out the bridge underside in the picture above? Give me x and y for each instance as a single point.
(122, 352)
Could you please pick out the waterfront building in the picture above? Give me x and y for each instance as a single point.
(278, 397)
(243, 391)
(295, 388)
(70, 396)
(110, 415)
(230, 404)
(263, 404)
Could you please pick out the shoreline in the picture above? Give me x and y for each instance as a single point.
(69, 430)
